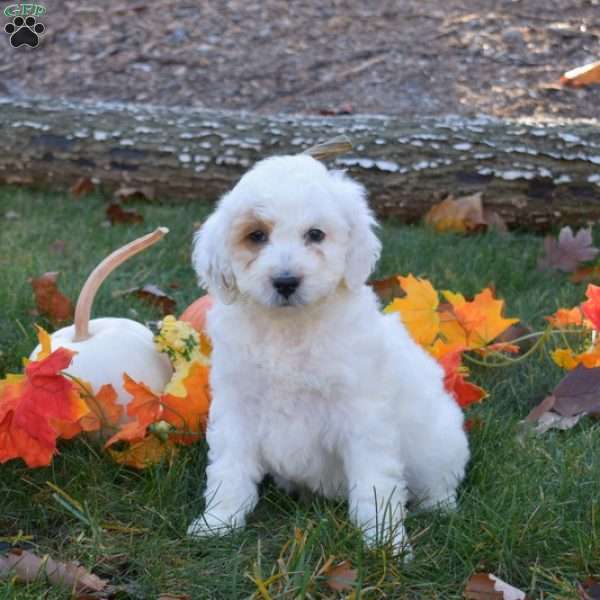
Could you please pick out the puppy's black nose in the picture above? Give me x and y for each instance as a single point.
(286, 285)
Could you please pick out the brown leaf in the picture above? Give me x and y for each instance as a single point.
(169, 596)
(578, 392)
(82, 187)
(333, 111)
(27, 567)
(341, 577)
(589, 589)
(566, 253)
(152, 294)
(58, 246)
(117, 214)
(464, 215)
(485, 586)
(577, 395)
(586, 75)
(586, 274)
(126, 194)
(49, 300)
(514, 332)
(543, 407)
(387, 289)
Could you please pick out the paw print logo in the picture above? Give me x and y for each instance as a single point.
(24, 32)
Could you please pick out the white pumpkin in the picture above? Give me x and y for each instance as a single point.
(108, 347)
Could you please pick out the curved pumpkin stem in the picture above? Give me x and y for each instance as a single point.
(83, 310)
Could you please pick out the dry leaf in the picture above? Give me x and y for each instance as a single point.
(341, 577)
(126, 194)
(153, 295)
(82, 187)
(58, 247)
(27, 567)
(144, 453)
(586, 274)
(485, 586)
(333, 111)
(578, 392)
(117, 214)
(577, 395)
(586, 75)
(387, 289)
(463, 215)
(589, 589)
(49, 300)
(169, 596)
(566, 253)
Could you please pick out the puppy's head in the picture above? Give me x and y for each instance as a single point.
(287, 235)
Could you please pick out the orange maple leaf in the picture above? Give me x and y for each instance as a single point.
(591, 308)
(189, 413)
(481, 318)
(134, 431)
(146, 405)
(104, 409)
(566, 317)
(418, 309)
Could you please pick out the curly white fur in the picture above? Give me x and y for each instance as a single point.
(319, 389)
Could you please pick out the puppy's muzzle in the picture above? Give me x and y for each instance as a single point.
(286, 285)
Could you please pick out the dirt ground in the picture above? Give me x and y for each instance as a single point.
(412, 58)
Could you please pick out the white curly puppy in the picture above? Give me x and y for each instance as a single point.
(311, 383)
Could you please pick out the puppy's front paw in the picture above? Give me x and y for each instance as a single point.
(209, 525)
(376, 537)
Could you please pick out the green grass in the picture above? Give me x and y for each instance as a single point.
(528, 508)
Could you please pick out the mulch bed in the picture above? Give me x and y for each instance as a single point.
(412, 58)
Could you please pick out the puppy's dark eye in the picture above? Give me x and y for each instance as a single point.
(315, 235)
(258, 236)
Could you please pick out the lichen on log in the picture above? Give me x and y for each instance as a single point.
(534, 174)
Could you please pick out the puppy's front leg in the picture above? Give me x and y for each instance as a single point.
(377, 492)
(232, 477)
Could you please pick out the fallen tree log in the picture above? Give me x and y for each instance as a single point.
(533, 174)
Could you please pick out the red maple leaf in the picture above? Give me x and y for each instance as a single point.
(591, 308)
(464, 392)
(32, 406)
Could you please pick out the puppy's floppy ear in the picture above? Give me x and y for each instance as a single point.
(211, 259)
(364, 246)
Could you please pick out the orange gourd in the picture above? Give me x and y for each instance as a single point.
(195, 313)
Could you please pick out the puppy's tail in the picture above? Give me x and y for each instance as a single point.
(330, 148)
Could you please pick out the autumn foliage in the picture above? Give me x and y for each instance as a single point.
(45, 404)
(449, 328)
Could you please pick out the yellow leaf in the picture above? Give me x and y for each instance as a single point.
(45, 343)
(144, 453)
(458, 215)
(418, 309)
(565, 358)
